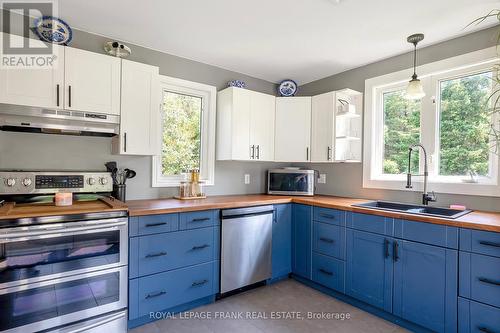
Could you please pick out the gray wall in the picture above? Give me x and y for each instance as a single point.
(346, 179)
(52, 152)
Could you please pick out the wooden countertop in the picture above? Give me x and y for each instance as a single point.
(12, 211)
(479, 220)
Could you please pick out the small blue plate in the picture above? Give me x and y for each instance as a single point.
(287, 88)
(237, 83)
(53, 30)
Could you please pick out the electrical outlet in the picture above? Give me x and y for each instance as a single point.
(322, 178)
(247, 179)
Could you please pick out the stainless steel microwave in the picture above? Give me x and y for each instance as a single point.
(290, 181)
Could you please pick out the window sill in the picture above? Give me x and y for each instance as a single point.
(480, 189)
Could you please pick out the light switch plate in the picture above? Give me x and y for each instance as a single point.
(247, 179)
(322, 178)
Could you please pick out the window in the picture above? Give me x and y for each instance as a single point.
(187, 132)
(464, 125)
(401, 129)
(453, 122)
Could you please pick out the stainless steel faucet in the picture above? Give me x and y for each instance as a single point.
(426, 197)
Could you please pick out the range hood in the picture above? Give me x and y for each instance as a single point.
(16, 118)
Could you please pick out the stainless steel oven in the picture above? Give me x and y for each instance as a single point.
(53, 303)
(57, 274)
(42, 252)
(291, 181)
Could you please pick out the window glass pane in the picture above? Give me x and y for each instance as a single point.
(181, 133)
(464, 125)
(401, 130)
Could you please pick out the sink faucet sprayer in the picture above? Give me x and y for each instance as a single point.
(426, 197)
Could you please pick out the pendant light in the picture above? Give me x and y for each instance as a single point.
(415, 90)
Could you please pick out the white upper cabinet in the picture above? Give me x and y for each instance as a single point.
(323, 125)
(245, 125)
(348, 125)
(140, 110)
(34, 87)
(293, 129)
(92, 82)
(262, 114)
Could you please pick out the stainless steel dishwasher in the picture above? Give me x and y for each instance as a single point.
(245, 246)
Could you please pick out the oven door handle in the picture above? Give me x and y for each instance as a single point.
(72, 231)
(87, 325)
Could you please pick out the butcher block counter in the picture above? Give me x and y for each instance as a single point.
(479, 220)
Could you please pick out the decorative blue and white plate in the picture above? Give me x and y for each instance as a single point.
(287, 88)
(53, 30)
(237, 83)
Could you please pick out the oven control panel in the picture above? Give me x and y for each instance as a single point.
(21, 182)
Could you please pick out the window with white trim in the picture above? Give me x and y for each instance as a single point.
(453, 122)
(187, 132)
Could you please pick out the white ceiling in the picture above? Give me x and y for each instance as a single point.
(300, 39)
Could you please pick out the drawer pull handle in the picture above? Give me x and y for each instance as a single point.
(328, 216)
(155, 224)
(324, 271)
(198, 283)
(486, 280)
(201, 219)
(159, 254)
(163, 292)
(395, 249)
(386, 244)
(326, 240)
(200, 247)
(485, 330)
(487, 243)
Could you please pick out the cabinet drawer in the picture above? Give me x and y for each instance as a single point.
(433, 234)
(475, 317)
(329, 240)
(371, 223)
(484, 242)
(153, 224)
(193, 220)
(163, 252)
(480, 278)
(328, 272)
(165, 290)
(327, 215)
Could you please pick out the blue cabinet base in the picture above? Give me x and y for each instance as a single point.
(168, 312)
(363, 306)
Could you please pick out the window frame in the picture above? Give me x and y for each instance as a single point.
(208, 94)
(431, 75)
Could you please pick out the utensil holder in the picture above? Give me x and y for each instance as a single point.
(119, 192)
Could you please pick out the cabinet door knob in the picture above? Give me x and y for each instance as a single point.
(258, 152)
(69, 96)
(57, 95)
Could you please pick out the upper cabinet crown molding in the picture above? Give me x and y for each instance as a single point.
(245, 125)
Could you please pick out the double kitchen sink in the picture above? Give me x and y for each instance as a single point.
(414, 209)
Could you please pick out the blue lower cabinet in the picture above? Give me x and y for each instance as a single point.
(162, 291)
(480, 278)
(369, 268)
(425, 285)
(328, 272)
(483, 242)
(162, 252)
(301, 237)
(474, 317)
(329, 240)
(282, 241)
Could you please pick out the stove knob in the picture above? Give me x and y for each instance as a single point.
(10, 182)
(91, 181)
(27, 182)
(103, 181)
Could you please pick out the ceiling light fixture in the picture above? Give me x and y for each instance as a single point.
(415, 90)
